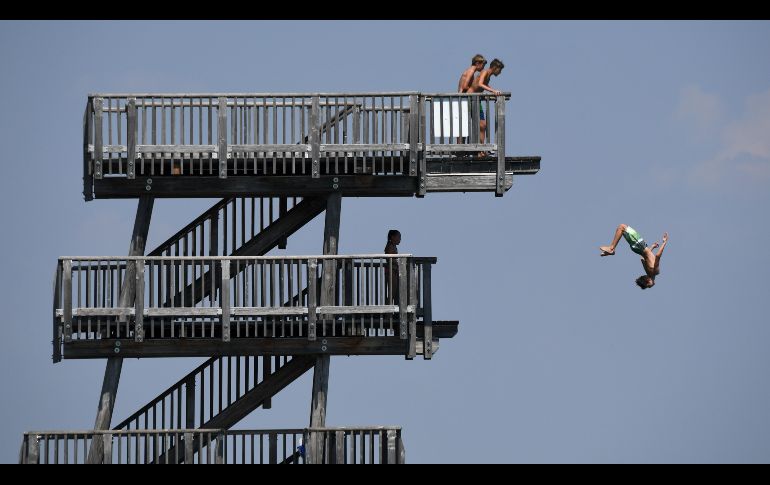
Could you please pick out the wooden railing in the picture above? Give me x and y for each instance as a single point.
(150, 135)
(204, 393)
(342, 445)
(232, 297)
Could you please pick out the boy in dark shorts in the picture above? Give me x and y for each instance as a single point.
(481, 84)
(650, 261)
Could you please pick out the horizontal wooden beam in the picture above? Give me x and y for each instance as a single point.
(456, 182)
(155, 348)
(249, 186)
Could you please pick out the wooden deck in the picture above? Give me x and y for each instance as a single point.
(224, 145)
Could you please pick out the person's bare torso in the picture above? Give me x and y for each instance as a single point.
(482, 78)
(466, 80)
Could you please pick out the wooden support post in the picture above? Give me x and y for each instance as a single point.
(283, 207)
(98, 138)
(392, 446)
(315, 137)
(190, 403)
(33, 449)
(67, 307)
(272, 440)
(58, 334)
(222, 136)
(414, 130)
(127, 297)
(267, 370)
(224, 300)
(312, 267)
(139, 302)
(131, 130)
(412, 316)
(88, 172)
(107, 444)
(403, 287)
(340, 447)
(214, 234)
(321, 372)
(427, 311)
(422, 171)
(500, 140)
(189, 455)
(220, 448)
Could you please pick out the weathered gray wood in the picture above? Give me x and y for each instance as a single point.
(315, 137)
(190, 402)
(222, 136)
(480, 182)
(282, 210)
(127, 296)
(392, 447)
(318, 406)
(312, 267)
(469, 147)
(225, 301)
(363, 147)
(402, 297)
(414, 133)
(267, 370)
(88, 172)
(58, 334)
(169, 150)
(500, 139)
(98, 137)
(139, 302)
(251, 400)
(220, 449)
(412, 316)
(427, 317)
(33, 449)
(272, 442)
(67, 293)
(131, 129)
(189, 453)
(107, 444)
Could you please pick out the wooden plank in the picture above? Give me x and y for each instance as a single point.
(362, 147)
(500, 139)
(469, 147)
(98, 137)
(225, 300)
(222, 136)
(107, 444)
(282, 210)
(412, 316)
(414, 130)
(361, 309)
(402, 297)
(67, 294)
(190, 402)
(139, 302)
(156, 348)
(33, 449)
(247, 186)
(131, 137)
(421, 170)
(479, 182)
(311, 298)
(315, 137)
(427, 315)
(169, 150)
(88, 173)
(286, 147)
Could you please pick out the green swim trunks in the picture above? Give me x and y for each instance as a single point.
(635, 240)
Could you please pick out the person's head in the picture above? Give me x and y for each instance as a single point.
(394, 236)
(645, 282)
(478, 62)
(496, 66)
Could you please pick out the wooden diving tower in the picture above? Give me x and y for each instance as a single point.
(210, 290)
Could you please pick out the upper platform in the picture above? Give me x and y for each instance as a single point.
(229, 145)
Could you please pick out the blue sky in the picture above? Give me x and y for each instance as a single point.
(560, 357)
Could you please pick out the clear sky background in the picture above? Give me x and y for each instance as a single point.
(560, 356)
